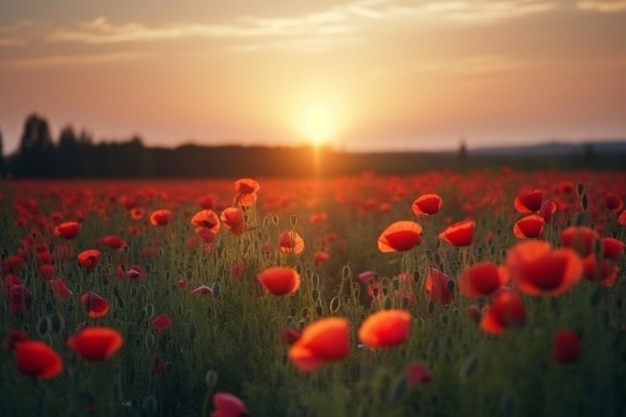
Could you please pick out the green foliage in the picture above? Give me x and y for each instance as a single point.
(230, 341)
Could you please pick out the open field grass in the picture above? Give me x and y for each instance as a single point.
(506, 300)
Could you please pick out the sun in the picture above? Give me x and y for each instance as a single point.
(320, 122)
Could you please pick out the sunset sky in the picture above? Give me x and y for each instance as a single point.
(359, 74)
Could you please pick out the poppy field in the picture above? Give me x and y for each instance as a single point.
(439, 294)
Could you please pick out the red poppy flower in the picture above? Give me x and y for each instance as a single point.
(131, 272)
(47, 270)
(459, 234)
(96, 305)
(67, 230)
(426, 204)
(566, 346)
(161, 217)
(207, 219)
(114, 242)
(613, 202)
(246, 189)
(227, 405)
(89, 258)
(386, 328)
(603, 271)
(417, 373)
(37, 359)
(289, 335)
(290, 242)
(621, 219)
(612, 248)
(137, 213)
(95, 343)
(280, 280)
(529, 202)
(14, 337)
(60, 289)
(580, 238)
(161, 322)
(234, 219)
(506, 310)
(400, 236)
(206, 201)
(203, 289)
(323, 341)
(320, 256)
(535, 268)
(436, 286)
(548, 208)
(20, 299)
(483, 278)
(530, 226)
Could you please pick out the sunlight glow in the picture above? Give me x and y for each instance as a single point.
(320, 122)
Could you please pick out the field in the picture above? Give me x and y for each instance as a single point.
(494, 294)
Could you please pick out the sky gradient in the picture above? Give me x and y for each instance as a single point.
(388, 74)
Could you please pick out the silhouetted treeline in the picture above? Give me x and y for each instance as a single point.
(76, 155)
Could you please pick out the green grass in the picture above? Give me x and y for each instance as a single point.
(230, 342)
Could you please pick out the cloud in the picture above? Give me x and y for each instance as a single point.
(6, 41)
(603, 6)
(481, 11)
(60, 60)
(329, 28)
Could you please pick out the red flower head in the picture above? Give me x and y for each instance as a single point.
(290, 242)
(161, 217)
(417, 374)
(207, 219)
(67, 230)
(506, 310)
(60, 289)
(530, 226)
(89, 258)
(246, 189)
(114, 242)
(95, 343)
(20, 299)
(227, 405)
(385, 328)
(436, 286)
(320, 256)
(459, 234)
(535, 268)
(280, 280)
(580, 238)
(426, 204)
(529, 202)
(603, 271)
(323, 341)
(37, 359)
(613, 202)
(483, 278)
(161, 322)
(400, 236)
(566, 346)
(96, 305)
(234, 219)
(612, 248)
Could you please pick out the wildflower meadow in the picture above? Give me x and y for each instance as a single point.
(489, 293)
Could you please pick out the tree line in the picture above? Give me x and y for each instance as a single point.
(76, 155)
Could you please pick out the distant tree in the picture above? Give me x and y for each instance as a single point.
(36, 135)
(36, 150)
(589, 152)
(463, 154)
(2, 167)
